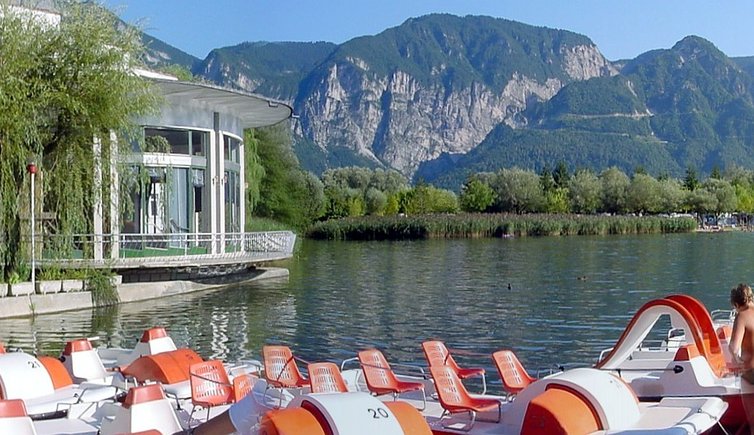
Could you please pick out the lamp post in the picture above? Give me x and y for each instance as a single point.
(31, 167)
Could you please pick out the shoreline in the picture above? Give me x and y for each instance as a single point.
(35, 304)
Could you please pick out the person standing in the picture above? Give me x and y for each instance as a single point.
(742, 345)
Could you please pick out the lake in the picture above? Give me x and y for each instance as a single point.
(553, 300)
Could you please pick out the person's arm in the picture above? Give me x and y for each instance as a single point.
(737, 336)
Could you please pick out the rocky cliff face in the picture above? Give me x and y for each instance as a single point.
(401, 121)
(436, 84)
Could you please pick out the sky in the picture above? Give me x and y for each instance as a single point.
(621, 29)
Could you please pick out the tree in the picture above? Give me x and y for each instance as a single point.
(476, 196)
(700, 201)
(691, 182)
(388, 182)
(61, 86)
(584, 192)
(285, 191)
(613, 192)
(518, 191)
(376, 201)
(546, 179)
(716, 174)
(556, 201)
(313, 201)
(254, 172)
(424, 199)
(561, 175)
(671, 195)
(643, 194)
(724, 192)
(745, 197)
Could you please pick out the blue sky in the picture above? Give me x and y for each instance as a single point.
(621, 29)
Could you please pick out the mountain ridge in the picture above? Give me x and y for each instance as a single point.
(442, 95)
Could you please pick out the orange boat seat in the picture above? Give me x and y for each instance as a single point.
(325, 377)
(437, 354)
(380, 378)
(512, 372)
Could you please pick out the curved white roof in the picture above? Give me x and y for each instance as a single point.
(252, 110)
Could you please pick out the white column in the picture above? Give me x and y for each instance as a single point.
(211, 184)
(220, 190)
(97, 186)
(114, 198)
(242, 191)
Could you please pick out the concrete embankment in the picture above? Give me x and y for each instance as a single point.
(33, 304)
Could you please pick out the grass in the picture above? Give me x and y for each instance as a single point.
(492, 225)
(258, 224)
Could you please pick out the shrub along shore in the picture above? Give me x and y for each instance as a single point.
(471, 225)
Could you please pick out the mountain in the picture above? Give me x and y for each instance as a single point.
(688, 106)
(745, 63)
(435, 84)
(270, 68)
(159, 54)
(442, 96)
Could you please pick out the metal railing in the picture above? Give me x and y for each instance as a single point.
(124, 249)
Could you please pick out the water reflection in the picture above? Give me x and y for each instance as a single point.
(552, 300)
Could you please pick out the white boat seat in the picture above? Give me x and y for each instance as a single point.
(178, 390)
(14, 419)
(82, 361)
(65, 426)
(145, 408)
(69, 395)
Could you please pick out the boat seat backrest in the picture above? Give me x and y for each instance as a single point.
(145, 408)
(326, 378)
(512, 372)
(13, 418)
(611, 399)
(82, 361)
(22, 376)
(280, 367)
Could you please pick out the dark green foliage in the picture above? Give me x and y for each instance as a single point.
(533, 149)
(471, 49)
(104, 293)
(316, 160)
(161, 55)
(691, 182)
(426, 199)
(278, 68)
(561, 176)
(745, 63)
(492, 225)
(65, 85)
(286, 193)
(689, 106)
(476, 196)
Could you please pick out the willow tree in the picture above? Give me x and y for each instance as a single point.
(62, 85)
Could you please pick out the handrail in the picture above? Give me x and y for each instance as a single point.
(127, 248)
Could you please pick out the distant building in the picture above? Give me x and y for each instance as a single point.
(188, 189)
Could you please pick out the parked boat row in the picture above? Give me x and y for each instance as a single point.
(684, 385)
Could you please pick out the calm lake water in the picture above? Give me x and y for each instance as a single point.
(552, 300)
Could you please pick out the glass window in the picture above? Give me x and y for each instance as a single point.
(232, 148)
(199, 140)
(232, 202)
(163, 140)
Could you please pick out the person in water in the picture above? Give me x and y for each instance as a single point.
(742, 345)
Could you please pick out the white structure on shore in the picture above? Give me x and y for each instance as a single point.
(187, 183)
(193, 192)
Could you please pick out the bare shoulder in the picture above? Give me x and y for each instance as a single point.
(746, 317)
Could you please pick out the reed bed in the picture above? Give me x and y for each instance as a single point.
(493, 225)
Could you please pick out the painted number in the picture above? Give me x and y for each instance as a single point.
(33, 364)
(378, 413)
